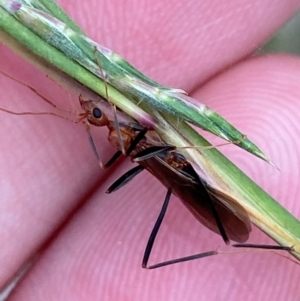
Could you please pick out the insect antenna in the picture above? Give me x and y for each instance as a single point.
(35, 113)
(38, 94)
(49, 102)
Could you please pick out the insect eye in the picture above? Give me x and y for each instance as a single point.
(97, 113)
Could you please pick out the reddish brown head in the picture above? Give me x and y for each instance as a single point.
(92, 112)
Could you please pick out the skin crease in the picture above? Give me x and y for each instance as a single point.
(48, 171)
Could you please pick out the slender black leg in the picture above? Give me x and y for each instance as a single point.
(189, 171)
(266, 247)
(156, 228)
(136, 140)
(125, 178)
(113, 159)
(219, 222)
(152, 240)
(96, 153)
(134, 143)
(213, 209)
(128, 176)
(151, 152)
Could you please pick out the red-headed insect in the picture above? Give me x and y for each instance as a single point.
(215, 209)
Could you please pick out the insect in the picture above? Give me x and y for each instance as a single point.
(213, 208)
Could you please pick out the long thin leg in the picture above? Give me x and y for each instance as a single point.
(134, 143)
(156, 228)
(125, 178)
(219, 222)
(136, 140)
(156, 150)
(113, 159)
(151, 152)
(266, 247)
(96, 153)
(210, 203)
(153, 235)
(114, 108)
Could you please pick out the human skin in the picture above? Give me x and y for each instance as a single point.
(53, 192)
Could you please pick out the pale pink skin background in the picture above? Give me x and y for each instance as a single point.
(48, 171)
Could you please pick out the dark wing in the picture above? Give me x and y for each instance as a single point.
(192, 191)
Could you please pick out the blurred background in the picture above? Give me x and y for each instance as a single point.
(286, 39)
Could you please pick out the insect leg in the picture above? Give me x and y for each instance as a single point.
(266, 247)
(152, 151)
(115, 157)
(136, 140)
(153, 235)
(114, 108)
(125, 178)
(134, 143)
(206, 196)
(128, 176)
